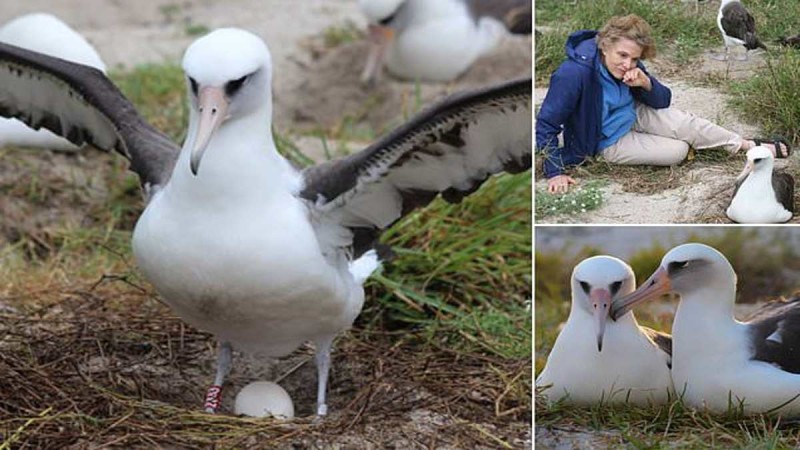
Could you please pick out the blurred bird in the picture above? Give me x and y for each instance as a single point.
(737, 27)
(791, 41)
(437, 40)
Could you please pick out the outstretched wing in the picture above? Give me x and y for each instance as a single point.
(81, 104)
(448, 149)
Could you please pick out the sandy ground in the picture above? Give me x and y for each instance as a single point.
(704, 191)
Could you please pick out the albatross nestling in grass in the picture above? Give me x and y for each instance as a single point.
(719, 363)
(236, 240)
(762, 194)
(597, 360)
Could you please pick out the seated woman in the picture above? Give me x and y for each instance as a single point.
(607, 104)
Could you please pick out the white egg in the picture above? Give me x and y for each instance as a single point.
(262, 399)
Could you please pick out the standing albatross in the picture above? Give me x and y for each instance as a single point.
(237, 241)
(437, 40)
(719, 363)
(595, 360)
(737, 27)
(762, 195)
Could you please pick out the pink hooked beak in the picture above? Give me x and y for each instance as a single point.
(657, 285)
(379, 37)
(213, 107)
(600, 301)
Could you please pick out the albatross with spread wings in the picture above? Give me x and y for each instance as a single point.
(237, 241)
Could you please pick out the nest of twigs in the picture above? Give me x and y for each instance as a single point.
(109, 366)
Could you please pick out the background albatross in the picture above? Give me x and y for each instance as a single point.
(237, 241)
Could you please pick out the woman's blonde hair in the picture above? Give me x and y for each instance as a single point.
(630, 27)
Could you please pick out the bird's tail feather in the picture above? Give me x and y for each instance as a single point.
(751, 42)
(363, 267)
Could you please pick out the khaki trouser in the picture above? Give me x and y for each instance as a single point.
(661, 137)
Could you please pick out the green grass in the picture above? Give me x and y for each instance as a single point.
(464, 269)
(586, 197)
(769, 266)
(159, 93)
(196, 30)
(771, 97)
(336, 35)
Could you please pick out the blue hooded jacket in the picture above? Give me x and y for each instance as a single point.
(574, 103)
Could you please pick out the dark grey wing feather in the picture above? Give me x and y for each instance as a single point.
(775, 334)
(662, 340)
(738, 23)
(448, 149)
(81, 104)
(517, 15)
(783, 185)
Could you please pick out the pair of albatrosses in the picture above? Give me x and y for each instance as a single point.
(236, 240)
(718, 363)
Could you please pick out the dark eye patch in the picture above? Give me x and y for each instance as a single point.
(615, 287)
(586, 287)
(676, 266)
(232, 87)
(388, 20)
(193, 84)
(757, 160)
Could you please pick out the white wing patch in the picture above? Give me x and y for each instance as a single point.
(776, 336)
(45, 93)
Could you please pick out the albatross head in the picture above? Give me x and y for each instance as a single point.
(228, 75)
(685, 269)
(596, 281)
(759, 159)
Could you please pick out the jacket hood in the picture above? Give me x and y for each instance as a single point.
(581, 47)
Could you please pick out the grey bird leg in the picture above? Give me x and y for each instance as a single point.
(745, 57)
(323, 360)
(727, 63)
(214, 393)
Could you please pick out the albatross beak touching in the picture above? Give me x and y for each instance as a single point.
(380, 37)
(658, 284)
(213, 107)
